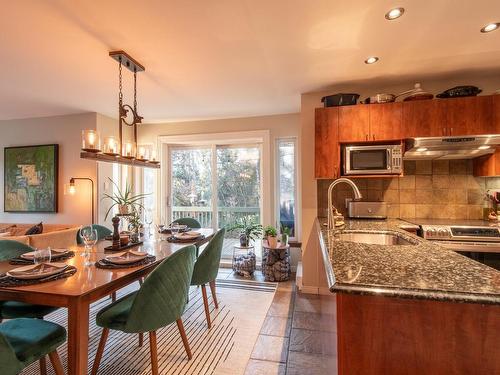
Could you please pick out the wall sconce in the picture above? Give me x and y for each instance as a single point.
(110, 146)
(91, 141)
(71, 190)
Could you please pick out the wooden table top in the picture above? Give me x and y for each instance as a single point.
(88, 279)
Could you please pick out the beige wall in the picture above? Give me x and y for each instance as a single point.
(65, 131)
(313, 274)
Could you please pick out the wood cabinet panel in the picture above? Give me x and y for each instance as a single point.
(496, 113)
(354, 123)
(423, 118)
(326, 144)
(460, 115)
(484, 117)
(488, 165)
(385, 121)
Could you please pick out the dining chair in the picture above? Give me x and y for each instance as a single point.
(206, 269)
(189, 221)
(14, 309)
(23, 341)
(160, 301)
(102, 232)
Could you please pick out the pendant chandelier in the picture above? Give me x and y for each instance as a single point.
(120, 150)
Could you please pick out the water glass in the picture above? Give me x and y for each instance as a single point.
(174, 229)
(42, 256)
(90, 237)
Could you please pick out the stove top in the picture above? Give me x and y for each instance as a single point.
(459, 230)
(454, 222)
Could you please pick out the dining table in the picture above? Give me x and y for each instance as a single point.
(90, 284)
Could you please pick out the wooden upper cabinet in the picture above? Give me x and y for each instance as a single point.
(354, 123)
(326, 145)
(423, 118)
(496, 113)
(385, 121)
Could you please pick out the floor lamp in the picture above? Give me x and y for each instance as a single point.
(72, 190)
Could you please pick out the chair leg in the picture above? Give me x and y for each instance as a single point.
(205, 303)
(214, 293)
(141, 339)
(154, 352)
(56, 363)
(100, 350)
(113, 297)
(43, 365)
(184, 338)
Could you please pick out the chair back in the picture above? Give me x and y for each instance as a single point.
(9, 363)
(162, 298)
(11, 249)
(102, 232)
(189, 221)
(207, 264)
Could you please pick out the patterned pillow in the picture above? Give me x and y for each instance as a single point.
(35, 229)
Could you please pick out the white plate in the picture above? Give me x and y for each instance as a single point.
(191, 235)
(32, 271)
(54, 252)
(126, 257)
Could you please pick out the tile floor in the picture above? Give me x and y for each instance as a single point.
(298, 335)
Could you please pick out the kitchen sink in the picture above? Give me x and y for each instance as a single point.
(375, 238)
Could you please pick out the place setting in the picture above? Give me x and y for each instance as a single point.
(181, 237)
(125, 259)
(40, 269)
(55, 255)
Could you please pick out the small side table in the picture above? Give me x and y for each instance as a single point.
(244, 260)
(276, 262)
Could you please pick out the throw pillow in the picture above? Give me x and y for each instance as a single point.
(35, 229)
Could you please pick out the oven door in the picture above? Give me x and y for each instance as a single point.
(367, 160)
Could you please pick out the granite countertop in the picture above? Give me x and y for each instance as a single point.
(422, 269)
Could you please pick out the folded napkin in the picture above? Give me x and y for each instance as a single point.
(38, 268)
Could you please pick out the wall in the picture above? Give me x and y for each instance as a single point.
(429, 189)
(313, 272)
(65, 131)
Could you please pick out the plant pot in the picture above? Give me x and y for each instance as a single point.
(272, 241)
(284, 239)
(123, 209)
(244, 242)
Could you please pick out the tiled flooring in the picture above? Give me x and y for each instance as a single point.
(298, 335)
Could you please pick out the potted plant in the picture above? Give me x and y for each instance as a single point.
(126, 202)
(271, 234)
(249, 231)
(285, 235)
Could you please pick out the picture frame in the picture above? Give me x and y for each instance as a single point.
(31, 176)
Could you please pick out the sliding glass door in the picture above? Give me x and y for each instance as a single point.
(218, 185)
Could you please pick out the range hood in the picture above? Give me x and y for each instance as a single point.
(465, 147)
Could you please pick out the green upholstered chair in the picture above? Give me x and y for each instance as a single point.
(24, 341)
(102, 232)
(189, 221)
(206, 269)
(13, 309)
(160, 301)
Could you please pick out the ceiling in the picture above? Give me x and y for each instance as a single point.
(226, 58)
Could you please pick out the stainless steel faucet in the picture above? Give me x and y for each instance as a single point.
(331, 213)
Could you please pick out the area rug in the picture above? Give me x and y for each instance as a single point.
(223, 350)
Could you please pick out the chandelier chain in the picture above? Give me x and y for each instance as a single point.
(135, 90)
(120, 94)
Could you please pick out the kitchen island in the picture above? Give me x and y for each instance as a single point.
(411, 307)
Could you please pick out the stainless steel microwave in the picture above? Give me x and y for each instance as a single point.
(373, 159)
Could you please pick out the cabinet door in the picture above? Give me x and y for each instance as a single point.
(424, 118)
(326, 145)
(496, 113)
(354, 123)
(385, 121)
(485, 117)
(461, 116)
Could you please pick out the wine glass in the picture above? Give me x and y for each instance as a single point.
(85, 232)
(174, 229)
(89, 239)
(148, 219)
(42, 256)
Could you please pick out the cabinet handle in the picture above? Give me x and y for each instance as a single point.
(335, 172)
(444, 131)
(451, 131)
(373, 136)
(366, 137)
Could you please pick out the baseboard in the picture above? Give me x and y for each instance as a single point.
(309, 289)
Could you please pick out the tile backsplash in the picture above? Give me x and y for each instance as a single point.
(440, 189)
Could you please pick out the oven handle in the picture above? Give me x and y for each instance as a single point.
(389, 159)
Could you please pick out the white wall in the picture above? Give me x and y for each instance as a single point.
(65, 131)
(313, 273)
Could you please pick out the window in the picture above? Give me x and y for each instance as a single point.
(286, 184)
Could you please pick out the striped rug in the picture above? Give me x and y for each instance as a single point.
(225, 347)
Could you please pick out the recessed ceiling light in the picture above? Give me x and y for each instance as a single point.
(371, 60)
(490, 27)
(422, 149)
(485, 147)
(394, 13)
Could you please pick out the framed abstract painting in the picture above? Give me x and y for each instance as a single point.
(30, 178)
